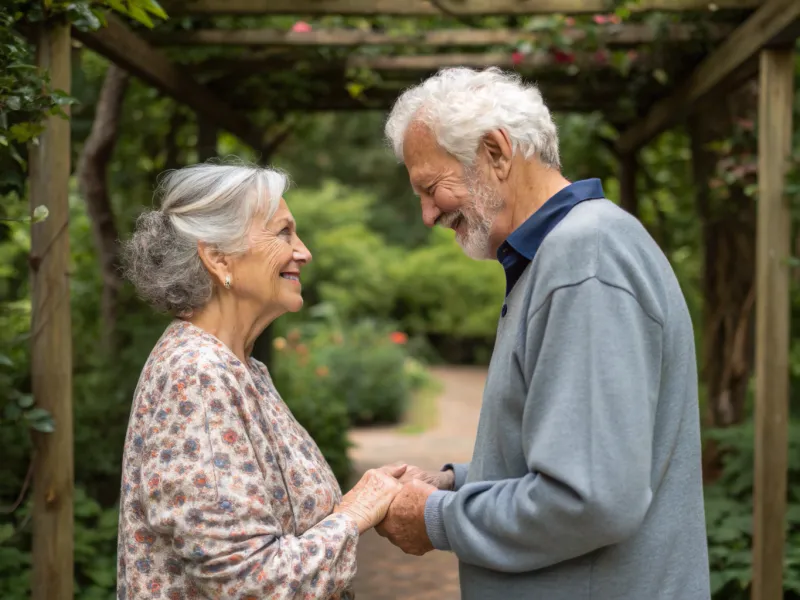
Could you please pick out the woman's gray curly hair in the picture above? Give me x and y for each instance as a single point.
(209, 203)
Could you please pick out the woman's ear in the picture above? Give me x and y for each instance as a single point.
(215, 262)
(499, 150)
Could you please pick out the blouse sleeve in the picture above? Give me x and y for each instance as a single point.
(205, 489)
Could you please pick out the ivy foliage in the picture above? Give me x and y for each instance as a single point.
(27, 97)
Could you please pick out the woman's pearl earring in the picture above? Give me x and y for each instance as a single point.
(227, 281)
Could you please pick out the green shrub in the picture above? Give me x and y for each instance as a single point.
(95, 552)
(301, 379)
(364, 366)
(442, 291)
(434, 292)
(369, 370)
(729, 516)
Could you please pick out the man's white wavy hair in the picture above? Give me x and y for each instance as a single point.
(461, 105)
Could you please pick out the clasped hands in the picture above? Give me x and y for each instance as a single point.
(392, 499)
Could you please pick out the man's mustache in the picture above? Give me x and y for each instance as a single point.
(449, 219)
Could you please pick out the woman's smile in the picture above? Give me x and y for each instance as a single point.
(293, 276)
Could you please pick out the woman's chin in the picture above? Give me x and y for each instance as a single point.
(295, 304)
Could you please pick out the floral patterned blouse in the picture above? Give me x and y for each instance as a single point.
(224, 495)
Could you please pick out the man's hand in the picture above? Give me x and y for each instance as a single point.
(441, 480)
(404, 525)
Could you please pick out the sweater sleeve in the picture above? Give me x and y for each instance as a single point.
(223, 508)
(592, 362)
(460, 471)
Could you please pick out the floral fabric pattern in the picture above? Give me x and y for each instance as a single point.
(224, 495)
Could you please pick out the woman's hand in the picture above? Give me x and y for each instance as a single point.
(369, 500)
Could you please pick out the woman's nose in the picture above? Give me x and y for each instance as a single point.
(301, 253)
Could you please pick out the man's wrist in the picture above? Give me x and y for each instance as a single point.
(448, 480)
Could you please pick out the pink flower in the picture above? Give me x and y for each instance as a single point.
(600, 19)
(569, 22)
(301, 27)
(516, 57)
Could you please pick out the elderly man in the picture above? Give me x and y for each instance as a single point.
(585, 481)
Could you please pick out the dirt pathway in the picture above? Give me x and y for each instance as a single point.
(384, 572)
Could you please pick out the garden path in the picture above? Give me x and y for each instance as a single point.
(384, 572)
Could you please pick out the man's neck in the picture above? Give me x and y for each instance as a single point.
(533, 185)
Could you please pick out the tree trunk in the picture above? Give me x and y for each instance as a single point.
(92, 180)
(729, 245)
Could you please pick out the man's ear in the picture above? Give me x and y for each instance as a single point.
(215, 262)
(499, 151)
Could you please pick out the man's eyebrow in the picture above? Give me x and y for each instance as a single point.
(420, 180)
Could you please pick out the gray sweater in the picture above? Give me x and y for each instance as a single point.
(585, 481)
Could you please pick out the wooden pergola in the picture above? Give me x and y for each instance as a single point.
(740, 39)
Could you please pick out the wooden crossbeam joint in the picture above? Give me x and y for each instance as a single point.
(125, 48)
(769, 23)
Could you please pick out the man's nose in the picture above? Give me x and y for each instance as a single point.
(429, 212)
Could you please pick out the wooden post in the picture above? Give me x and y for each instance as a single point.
(51, 338)
(629, 198)
(772, 323)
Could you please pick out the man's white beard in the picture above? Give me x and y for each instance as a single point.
(485, 204)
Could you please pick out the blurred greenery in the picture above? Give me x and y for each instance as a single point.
(384, 296)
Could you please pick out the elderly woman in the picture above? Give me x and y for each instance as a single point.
(224, 494)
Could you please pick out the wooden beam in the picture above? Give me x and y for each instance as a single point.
(122, 46)
(51, 334)
(559, 98)
(772, 322)
(434, 62)
(430, 8)
(614, 35)
(542, 63)
(769, 23)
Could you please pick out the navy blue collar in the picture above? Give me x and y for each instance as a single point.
(521, 246)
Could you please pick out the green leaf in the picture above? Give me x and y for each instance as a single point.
(661, 76)
(6, 532)
(5, 361)
(137, 13)
(25, 401)
(118, 6)
(44, 425)
(40, 420)
(62, 98)
(793, 261)
(355, 89)
(37, 413)
(155, 8)
(24, 132)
